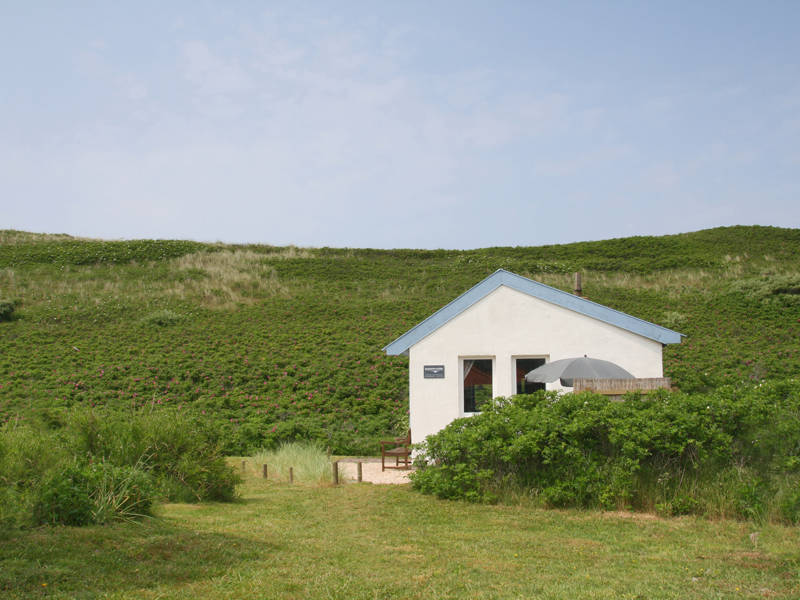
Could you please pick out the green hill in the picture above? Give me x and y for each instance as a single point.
(274, 343)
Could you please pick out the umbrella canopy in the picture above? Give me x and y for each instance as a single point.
(568, 369)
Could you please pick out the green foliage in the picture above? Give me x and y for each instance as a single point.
(162, 318)
(781, 290)
(64, 498)
(181, 452)
(680, 504)
(673, 319)
(79, 494)
(120, 492)
(100, 466)
(26, 457)
(61, 252)
(670, 451)
(789, 502)
(7, 308)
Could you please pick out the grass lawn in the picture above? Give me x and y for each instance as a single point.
(368, 541)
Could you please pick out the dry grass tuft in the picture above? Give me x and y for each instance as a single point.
(220, 280)
(308, 460)
(672, 283)
(289, 252)
(224, 279)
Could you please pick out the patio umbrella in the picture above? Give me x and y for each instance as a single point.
(568, 369)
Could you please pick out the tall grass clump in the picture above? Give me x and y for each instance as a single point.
(309, 461)
(26, 457)
(99, 466)
(182, 453)
(83, 493)
(731, 453)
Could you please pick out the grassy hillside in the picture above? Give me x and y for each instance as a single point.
(275, 343)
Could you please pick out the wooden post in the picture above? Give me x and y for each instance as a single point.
(335, 472)
(359, 471)
(244, 466)
(264, 470)
(578, 287)
(291, 475)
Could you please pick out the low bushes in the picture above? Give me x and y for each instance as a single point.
(101, 466)
(734, 452)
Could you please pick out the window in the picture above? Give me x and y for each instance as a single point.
(477, 383)
(524, 366)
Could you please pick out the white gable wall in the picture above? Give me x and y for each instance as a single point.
(504, 325)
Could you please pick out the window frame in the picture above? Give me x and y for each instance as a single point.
(461, 360)
(513, 366)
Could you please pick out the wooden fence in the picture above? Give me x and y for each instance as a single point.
(616, 388)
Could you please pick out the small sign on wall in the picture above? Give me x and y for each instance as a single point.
(434, 371)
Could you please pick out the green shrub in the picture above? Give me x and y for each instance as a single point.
(789, 502)
(681, 504)
(27, 456)
(782, 290)
(182, 453)
(64, 498)
(161, 318)
(459, 481)
(751, 498)
(7, 308)
(93, 493)
(102, 466)
(723, 453)
(12, 510)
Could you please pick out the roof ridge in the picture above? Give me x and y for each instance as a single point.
(535, 289)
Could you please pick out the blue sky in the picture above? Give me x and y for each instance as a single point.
(398, 124)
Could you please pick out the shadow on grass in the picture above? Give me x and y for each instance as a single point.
(88, 562)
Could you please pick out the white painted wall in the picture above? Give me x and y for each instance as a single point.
(504, 325)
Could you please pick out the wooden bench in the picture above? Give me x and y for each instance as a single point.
(399, 448)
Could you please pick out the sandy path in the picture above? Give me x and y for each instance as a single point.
(371, 471)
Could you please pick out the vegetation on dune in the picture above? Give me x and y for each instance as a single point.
(268, 345)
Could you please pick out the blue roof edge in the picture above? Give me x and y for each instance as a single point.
(537, 290)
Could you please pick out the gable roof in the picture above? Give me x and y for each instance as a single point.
(537, 290)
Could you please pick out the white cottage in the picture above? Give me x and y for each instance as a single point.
(484, 342)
